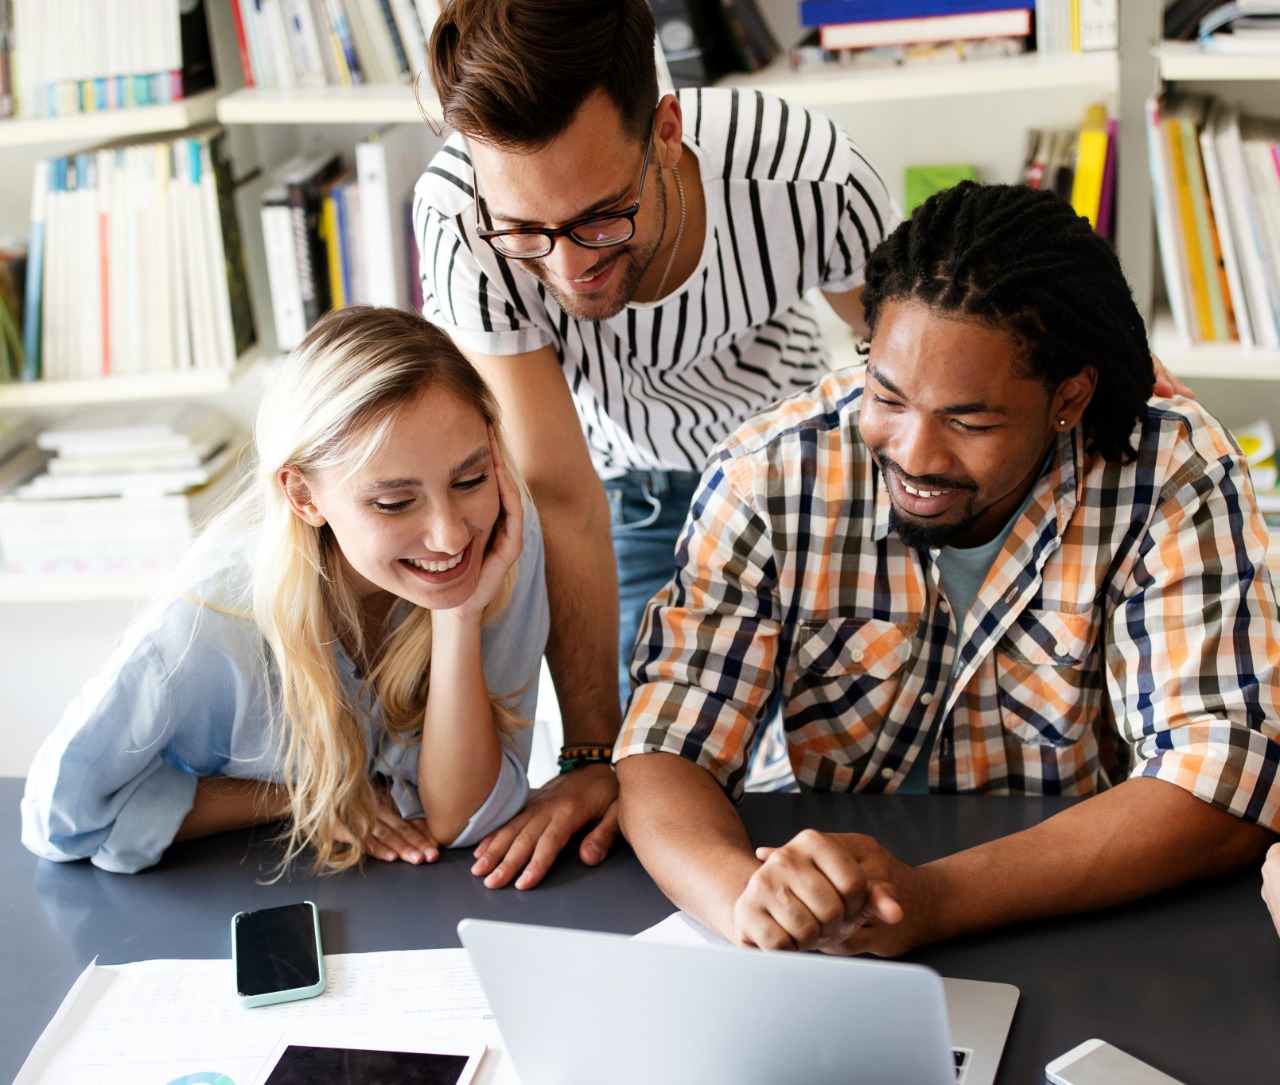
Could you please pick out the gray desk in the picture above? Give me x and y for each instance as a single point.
(1190, 982)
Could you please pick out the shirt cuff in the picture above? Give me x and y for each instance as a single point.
(148, 822)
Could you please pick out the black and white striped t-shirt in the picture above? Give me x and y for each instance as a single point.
(792, 204)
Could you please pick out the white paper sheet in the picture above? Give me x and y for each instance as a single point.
(178, 1022)
(679, 929)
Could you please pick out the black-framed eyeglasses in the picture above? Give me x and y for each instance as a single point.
(594, 231)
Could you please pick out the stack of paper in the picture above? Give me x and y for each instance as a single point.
(124, 491)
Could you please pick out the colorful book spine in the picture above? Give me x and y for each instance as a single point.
(825, 12)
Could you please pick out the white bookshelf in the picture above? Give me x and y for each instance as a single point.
(371, 103)
(1032, 72)
(1212, 361)
(1181, 61)
(90, 128)
(76, 588)
(184, 384)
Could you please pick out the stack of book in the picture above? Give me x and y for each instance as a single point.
(1079, 165)
(135, 262)
(316, 43)
(115, 491)
(877, 33)
(1216, 186)
(338, 235)
(59, 57)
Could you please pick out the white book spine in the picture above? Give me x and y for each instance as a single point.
(1226, 236)
(282, 271)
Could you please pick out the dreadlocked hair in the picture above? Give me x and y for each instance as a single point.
(1021, 259)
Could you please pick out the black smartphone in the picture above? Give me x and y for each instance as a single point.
(277, 954)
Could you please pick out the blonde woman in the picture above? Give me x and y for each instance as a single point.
(352, 644)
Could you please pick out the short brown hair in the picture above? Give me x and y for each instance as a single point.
(513, 73)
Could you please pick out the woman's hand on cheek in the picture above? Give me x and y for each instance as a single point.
(505, 542)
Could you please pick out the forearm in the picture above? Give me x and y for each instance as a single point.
(224, 803)
(687, 834)
(1140, 838)
(582, 585)
(460, 755)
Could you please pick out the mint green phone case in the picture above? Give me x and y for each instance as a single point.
(294, 936)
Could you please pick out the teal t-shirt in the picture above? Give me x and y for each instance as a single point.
(962, 571)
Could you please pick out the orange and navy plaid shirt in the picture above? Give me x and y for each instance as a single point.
(1128, 627)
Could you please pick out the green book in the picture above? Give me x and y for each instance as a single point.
(923, 181)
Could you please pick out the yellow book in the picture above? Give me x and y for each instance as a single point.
(333, 248)
(1192, 255)
(1091, 162)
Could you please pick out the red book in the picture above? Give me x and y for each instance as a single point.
(1008, 23)
(246, 62)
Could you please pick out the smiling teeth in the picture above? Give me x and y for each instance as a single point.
(923, 493)
(434, 566)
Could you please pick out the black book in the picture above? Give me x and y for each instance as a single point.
(304, 183)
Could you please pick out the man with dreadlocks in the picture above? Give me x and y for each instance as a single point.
(985, 563)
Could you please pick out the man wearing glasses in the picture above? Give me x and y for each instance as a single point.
(630, 280)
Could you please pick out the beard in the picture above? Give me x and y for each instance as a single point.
(638, 258)
(926, 534)
(923, 535)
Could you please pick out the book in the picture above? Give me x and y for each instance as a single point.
(13, 281)
(166, 480)
(818, 13)
(921, 182)
(1091, 161)
(304, 180)
(34, 293)
(105, 429)
(388, 165)
(1168, 228)
(282, 267)
(1106, 198)
(1239, 305)
(1248, 27)
(1189, 254)
(1011, 22)
(372, 41)
(749, 34)
(1245, 222)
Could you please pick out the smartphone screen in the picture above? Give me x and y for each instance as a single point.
(1107, 1065)
(276, 949)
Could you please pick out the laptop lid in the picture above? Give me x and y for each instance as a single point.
(583, 1007)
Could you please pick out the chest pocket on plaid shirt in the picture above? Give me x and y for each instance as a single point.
(849, 675)
(1050, 691)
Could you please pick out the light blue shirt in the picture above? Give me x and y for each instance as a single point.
(186, 696)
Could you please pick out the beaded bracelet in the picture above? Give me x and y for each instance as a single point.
(574, 757)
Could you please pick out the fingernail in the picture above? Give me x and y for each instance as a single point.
(592, 853)
(415, 857)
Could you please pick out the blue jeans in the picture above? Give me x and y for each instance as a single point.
(647, 509)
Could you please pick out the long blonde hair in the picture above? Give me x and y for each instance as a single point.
(331, 405)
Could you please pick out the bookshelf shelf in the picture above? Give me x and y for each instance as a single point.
(1217, 361)
(1186, 62)
(369, 104)
(975, 77)
(133, 386)
(87, 587)
(113, 124)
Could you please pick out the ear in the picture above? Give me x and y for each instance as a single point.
(298, 493)
(668, 131)
(1073, 395)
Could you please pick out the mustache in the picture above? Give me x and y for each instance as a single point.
(924, 482)
(615, 254)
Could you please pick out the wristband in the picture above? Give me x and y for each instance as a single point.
(575, 757)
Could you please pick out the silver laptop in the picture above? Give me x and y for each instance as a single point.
(583, 1008)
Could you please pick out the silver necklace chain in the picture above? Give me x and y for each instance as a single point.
(675, 172)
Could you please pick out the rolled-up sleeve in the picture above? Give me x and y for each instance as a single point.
(118, 775)
(705, 656)
(1194, 656)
